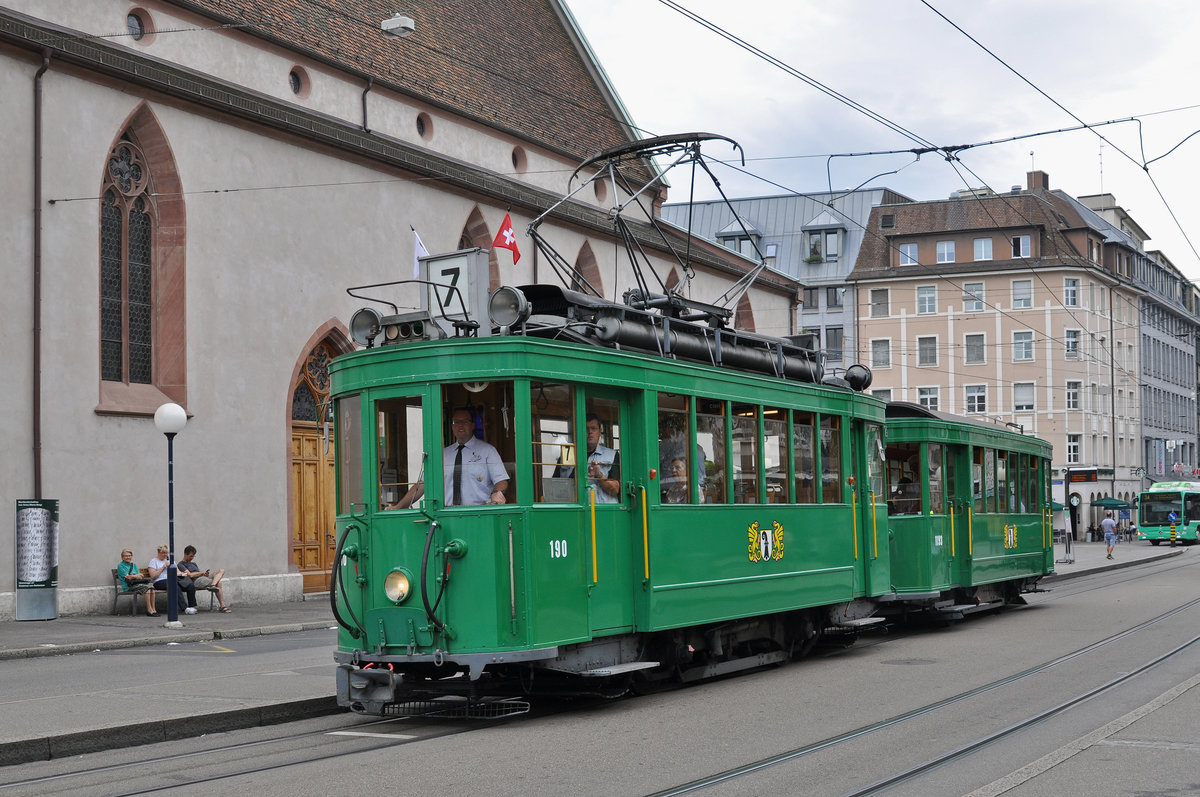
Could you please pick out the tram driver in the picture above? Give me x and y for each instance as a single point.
(472, 469)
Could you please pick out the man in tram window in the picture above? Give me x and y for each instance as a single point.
(472, 469)
(603, 465)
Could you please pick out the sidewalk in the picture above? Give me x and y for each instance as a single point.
(1090, 557)
(85, 633)
(38, 727)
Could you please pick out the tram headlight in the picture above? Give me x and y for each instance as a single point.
(507, 306)
(364, 326)
(397, 586)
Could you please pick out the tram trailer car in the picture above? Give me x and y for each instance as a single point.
(1156, 507)
(752, 514)
(969, 512)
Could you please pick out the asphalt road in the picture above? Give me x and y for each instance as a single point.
(1137, 737)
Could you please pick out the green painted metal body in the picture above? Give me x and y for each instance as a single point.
(533, 576)
(1155, 506)
(959, 546)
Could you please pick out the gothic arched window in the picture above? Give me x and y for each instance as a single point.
(142, 272)
(127, 221)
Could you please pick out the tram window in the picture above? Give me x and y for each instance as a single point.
(745, 454)
(674, 450)
(1021, 480)
(977, 478)
(804, 451)
(831, 459)
(1191, 507)
(1037, 501)
(775, 454)
(1004, 501)
(552, 411)
(491, 408)
(904, 478)
(349, 452)
(875, 461)
(710, 442)
(936, 495)
(399, 437)
(951, 474)
(603, 431)
(989, 479)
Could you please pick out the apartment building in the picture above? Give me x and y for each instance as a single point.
(1024, 308)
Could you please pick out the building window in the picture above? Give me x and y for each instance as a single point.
(127, 219)
(928, 397)
(1022, 294)
(1020, 246)
(887, 221)
(834, 296)
(811, 302)
(1022, 346)
(983, 248)
(972, 297)
(833, 344)
(1070, 293)
(1023, 397)
(927, 299)
(945, 251)
(135, 26)
(142, 274)
(831, 245)
(908, 254)
(974, 349)
(1074, 441)
(740, 244)
(1071, 343)
(927, 350)
(880, 303)
(884, 393)
(976, 398)
(881, 353)
(1073, 389)
(822, 246)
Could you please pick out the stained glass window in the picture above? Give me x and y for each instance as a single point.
(126, 268)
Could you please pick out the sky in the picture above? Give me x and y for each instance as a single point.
(1011, 68)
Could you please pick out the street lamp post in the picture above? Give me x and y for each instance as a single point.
(170, 419)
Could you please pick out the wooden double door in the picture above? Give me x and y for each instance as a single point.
(313, 473)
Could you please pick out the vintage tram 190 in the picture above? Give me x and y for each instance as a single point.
(751, 512)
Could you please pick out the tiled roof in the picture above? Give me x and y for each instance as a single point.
(1047, 213)
(511, 64)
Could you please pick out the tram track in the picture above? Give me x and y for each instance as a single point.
(365, 734)
(367, 743)
(964, 750)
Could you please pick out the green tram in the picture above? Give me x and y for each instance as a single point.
(740, 509)
(1169, 511)
(968, 510)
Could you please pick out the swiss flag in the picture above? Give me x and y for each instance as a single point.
(507, 239)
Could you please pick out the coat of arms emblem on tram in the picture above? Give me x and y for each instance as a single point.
(765, 544)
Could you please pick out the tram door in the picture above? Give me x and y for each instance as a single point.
(612, 460)
(870, 498)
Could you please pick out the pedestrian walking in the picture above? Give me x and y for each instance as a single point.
(1109, 527)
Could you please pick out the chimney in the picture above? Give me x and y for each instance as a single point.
(1038, 179)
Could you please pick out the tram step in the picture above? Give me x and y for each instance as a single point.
(619, 669)
(958, 610)
(862, 622)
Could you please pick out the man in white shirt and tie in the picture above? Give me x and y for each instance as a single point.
(473, 471)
